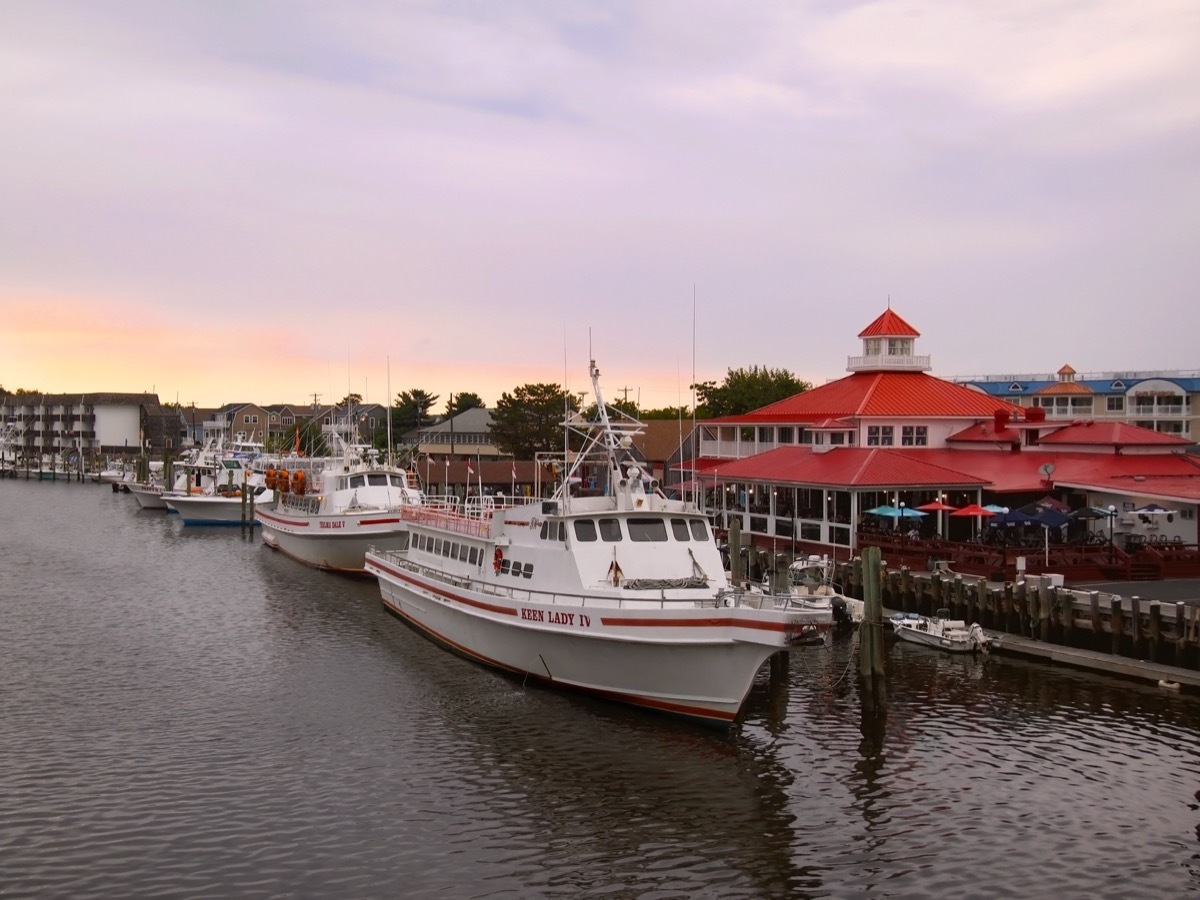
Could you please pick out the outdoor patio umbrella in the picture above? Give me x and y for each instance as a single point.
(935, 506)
(1153, 509)
(909, 513)
(884, 510)
(973, 509)
(1012, 517)
(1089, 512)
(995, 508)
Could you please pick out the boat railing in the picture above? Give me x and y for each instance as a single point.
(447, 516)
(730, 598)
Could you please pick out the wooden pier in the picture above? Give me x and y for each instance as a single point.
(1130, 636)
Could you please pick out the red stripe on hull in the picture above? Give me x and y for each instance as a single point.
(707, 716)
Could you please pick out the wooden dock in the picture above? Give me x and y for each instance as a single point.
(1038, 618)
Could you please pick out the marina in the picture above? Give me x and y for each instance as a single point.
(189, 713)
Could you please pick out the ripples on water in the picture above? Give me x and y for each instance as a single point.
(185, 713)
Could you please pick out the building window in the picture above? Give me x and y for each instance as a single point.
(914, 436)
(246, 420)
(837, 437)
(289, 420)
(1116, 404)
(872, 346)
(879, 436)
(900, 347)
(274, 417)
(786, 434)
(1081, 404)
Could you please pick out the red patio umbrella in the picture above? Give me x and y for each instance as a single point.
(973, 510)
(935, 506)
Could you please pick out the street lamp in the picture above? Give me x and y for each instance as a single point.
(1112, 517)
(902, 524)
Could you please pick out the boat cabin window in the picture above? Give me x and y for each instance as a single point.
(398, 480)
(357, 481)
(610, 530)
(699, 530)
(446, 547)
(585, 530)
(474, 560)
(377, 478)
(679, 528)
(555, 531)
(647, 530)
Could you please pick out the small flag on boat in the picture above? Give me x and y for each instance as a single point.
(447, 462)
(470, 471)
(514, 470)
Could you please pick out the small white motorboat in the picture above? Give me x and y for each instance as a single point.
(942, 632)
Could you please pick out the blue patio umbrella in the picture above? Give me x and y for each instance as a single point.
(1051, 518)
(1153, 509)
(1012, 517)
(884, 510)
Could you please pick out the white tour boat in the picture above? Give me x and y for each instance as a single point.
(607, 587)
(351, 504)
(942, 632)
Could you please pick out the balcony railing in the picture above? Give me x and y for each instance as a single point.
(912, 363)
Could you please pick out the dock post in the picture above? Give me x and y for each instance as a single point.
(1155, 628)
(1046, 608)
(1180, 634)
(1066, 601)
(1135, 624)
(908, 598)
(870, 636)
(250, 510)
(1097, 627)
(1114, 624)
(935, 589)
(1023, 610)
(1017, 601)
(960, 598)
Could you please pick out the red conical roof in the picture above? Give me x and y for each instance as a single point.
(889, 325)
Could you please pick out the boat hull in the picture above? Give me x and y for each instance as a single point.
(148, 498)
(211, 510)
(337, 543)
(689, 661)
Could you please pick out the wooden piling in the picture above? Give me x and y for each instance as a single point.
(1115, 626)
(1097, 628)
(1066, 601)
(1180, 634)
(1017, 598)
(1135, 623)
(1155, 630)
(1046, 608)
(870, 636)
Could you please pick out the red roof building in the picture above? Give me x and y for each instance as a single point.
(889, 433)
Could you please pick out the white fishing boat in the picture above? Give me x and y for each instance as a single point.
(942, 632)
(615, 590)
(328, 520)
(220, 504)
(810, 585)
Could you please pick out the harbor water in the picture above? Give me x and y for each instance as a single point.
(185, 713)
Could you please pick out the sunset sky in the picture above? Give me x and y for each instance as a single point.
(265, 201)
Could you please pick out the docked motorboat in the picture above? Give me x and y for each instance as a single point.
(810, 585)
(942, 632)
(329, 519)
(600, 584)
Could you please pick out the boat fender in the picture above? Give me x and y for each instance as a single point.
(498, 560)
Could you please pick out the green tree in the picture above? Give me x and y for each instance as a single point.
(667, 412)
(529, 420)
(349, 399)
(746, 389)
(460, 403)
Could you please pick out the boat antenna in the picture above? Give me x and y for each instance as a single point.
(389, 409)
(694, 441)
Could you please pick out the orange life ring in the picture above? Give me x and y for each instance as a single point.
(498, 560)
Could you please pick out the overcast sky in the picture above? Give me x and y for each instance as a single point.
(261, 201)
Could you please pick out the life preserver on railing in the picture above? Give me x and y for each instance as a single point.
(498, 560)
